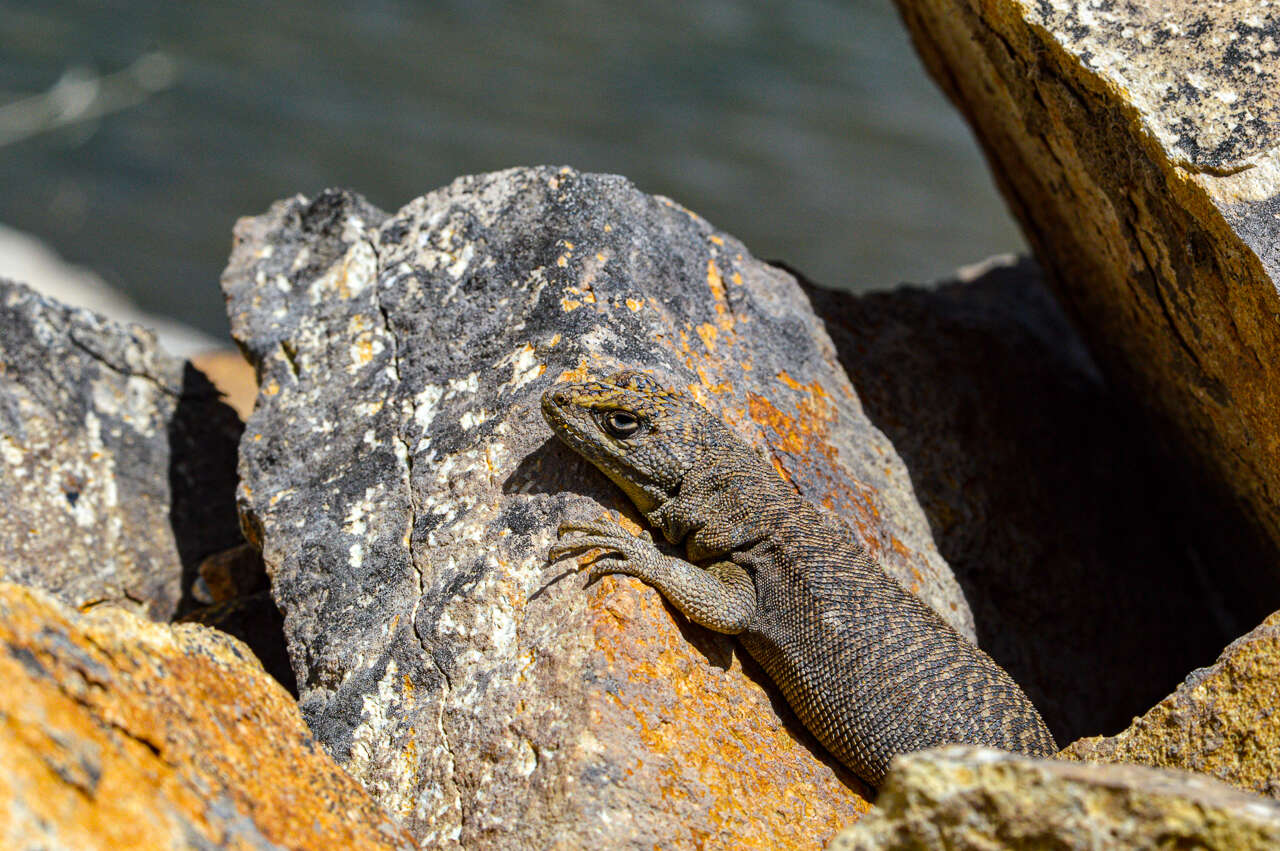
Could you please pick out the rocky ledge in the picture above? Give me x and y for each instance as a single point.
(399, 490)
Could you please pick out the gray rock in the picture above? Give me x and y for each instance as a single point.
(118, 460)
(403, 487)
(982, 799)
(1139, 146)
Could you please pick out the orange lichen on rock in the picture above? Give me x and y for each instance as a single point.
(123, 733)
(803, 438)
(581, 372)
(730, 750)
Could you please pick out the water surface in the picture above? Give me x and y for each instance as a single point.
(807, 129)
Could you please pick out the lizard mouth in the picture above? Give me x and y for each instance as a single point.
(558, 412)
(555, 404)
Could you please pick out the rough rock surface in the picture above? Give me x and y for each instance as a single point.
(1223, 721)
(1082, 560)
(118, 460)
(976, 798)
(1139, 146)
(404, 489)
(120, 733)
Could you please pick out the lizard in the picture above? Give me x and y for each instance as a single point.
(868, 668)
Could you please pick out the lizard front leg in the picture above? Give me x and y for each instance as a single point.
(720, 597)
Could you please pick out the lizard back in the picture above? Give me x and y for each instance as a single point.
(870, 669)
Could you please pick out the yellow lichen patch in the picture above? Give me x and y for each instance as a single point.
(581, 372)
(562, 261)
(736, 278)
(717, 240)
(709, 738)
(708, 333)
(575, 297)
(635, 303)
(794, 436)
(719, 302)
(555, 338)
(714, 281)
(364, 350)
(717, 387)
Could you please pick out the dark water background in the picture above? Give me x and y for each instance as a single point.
(807, 129)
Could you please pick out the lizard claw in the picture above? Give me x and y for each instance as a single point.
(581, 545)
(614, 544)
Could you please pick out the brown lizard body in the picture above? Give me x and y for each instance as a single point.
(871, 670)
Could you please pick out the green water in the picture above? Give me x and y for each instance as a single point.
(808, 129)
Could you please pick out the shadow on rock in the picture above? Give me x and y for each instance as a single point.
(204, 433)
(1098, 577)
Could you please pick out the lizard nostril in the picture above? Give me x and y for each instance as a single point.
(560, 397)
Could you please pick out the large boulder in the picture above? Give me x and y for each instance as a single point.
(119, 460)
(122, 733)
(1224, 720)
(981, 799)
(404, 489)
(1138, 146)
(1081, 556)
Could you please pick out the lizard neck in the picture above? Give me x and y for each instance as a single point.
(727, 503)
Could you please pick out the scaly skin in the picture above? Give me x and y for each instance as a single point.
(871, 671)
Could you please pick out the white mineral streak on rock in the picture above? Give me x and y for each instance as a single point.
(471, 419)
(13, 454)
(349, 277)
(470, 384)
(525, 367)
(105, 399)
(368, 409)
(459, 266)
(139, 410)
(389, 777)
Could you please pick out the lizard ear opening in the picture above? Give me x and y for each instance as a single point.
(634, 380)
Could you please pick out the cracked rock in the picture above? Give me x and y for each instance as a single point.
(402, 485)
(118, 460)
(122, 733)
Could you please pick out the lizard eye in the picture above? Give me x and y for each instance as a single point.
(621, 424)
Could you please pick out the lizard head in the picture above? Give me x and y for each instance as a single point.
(643, 436)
